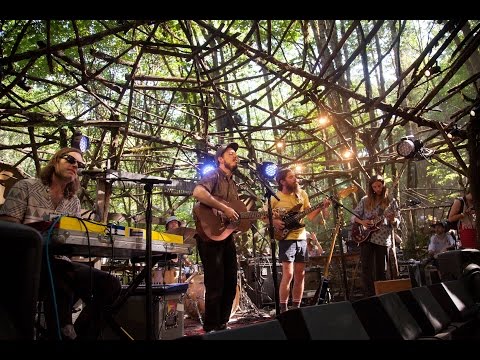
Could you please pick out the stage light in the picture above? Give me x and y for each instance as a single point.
(207, 166)
(268, 169)
(433, 70)
(80, 141)
(408, 146)
(455, 132)
(475, 111)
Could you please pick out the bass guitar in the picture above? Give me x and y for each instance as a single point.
(213, 223)
(293, 216)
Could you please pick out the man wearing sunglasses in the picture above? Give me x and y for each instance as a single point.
(34, 200)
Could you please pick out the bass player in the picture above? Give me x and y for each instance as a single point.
(374, 209)
(292, 244)
(219, 257)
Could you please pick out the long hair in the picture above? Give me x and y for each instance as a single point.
(46, 173)
(372, 199)
(281, 175)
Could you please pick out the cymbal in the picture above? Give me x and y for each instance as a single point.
(187, 233)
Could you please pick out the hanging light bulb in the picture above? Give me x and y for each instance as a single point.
(280, 145)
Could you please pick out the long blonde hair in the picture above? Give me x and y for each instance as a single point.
(372, 199)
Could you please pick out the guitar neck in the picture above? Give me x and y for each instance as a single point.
(308, 211)
(252, 214)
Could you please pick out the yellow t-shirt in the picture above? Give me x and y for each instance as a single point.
(286, 203)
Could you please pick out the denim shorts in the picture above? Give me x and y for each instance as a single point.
(292, 250)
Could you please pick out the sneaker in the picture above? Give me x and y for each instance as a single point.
(222, 327)
(68, 332)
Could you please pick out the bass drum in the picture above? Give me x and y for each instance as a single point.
(195, 299)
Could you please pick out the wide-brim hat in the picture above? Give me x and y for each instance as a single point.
(222, 148)
(170, 219)
(441, 223)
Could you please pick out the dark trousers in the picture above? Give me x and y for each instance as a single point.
(373, 259)
(219, 260)
(74, 281)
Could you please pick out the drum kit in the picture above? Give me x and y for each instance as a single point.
(195, 299)
(195, 296)
(187, 233)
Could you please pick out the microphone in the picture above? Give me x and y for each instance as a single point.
(413, 202)
(244, 162)
(92, 172)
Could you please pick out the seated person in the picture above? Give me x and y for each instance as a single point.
(441, 241)
(313, 246)
(172, 222)
(34, 200)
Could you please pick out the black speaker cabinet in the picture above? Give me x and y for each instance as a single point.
(334, 321)
(385, 317)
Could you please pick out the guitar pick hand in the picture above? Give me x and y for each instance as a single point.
(230, 213)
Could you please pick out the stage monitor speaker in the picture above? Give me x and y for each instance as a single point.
(334, 321)
(452, 263)
(386, 317)
(21, 265)
(455, 299)
(426, 310)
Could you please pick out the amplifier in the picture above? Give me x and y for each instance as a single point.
(260, 286)
(168, 314)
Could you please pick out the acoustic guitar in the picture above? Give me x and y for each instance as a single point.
(213, 223)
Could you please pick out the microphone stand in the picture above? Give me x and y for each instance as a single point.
(269, 192)
(337, 207)
(148, 187)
